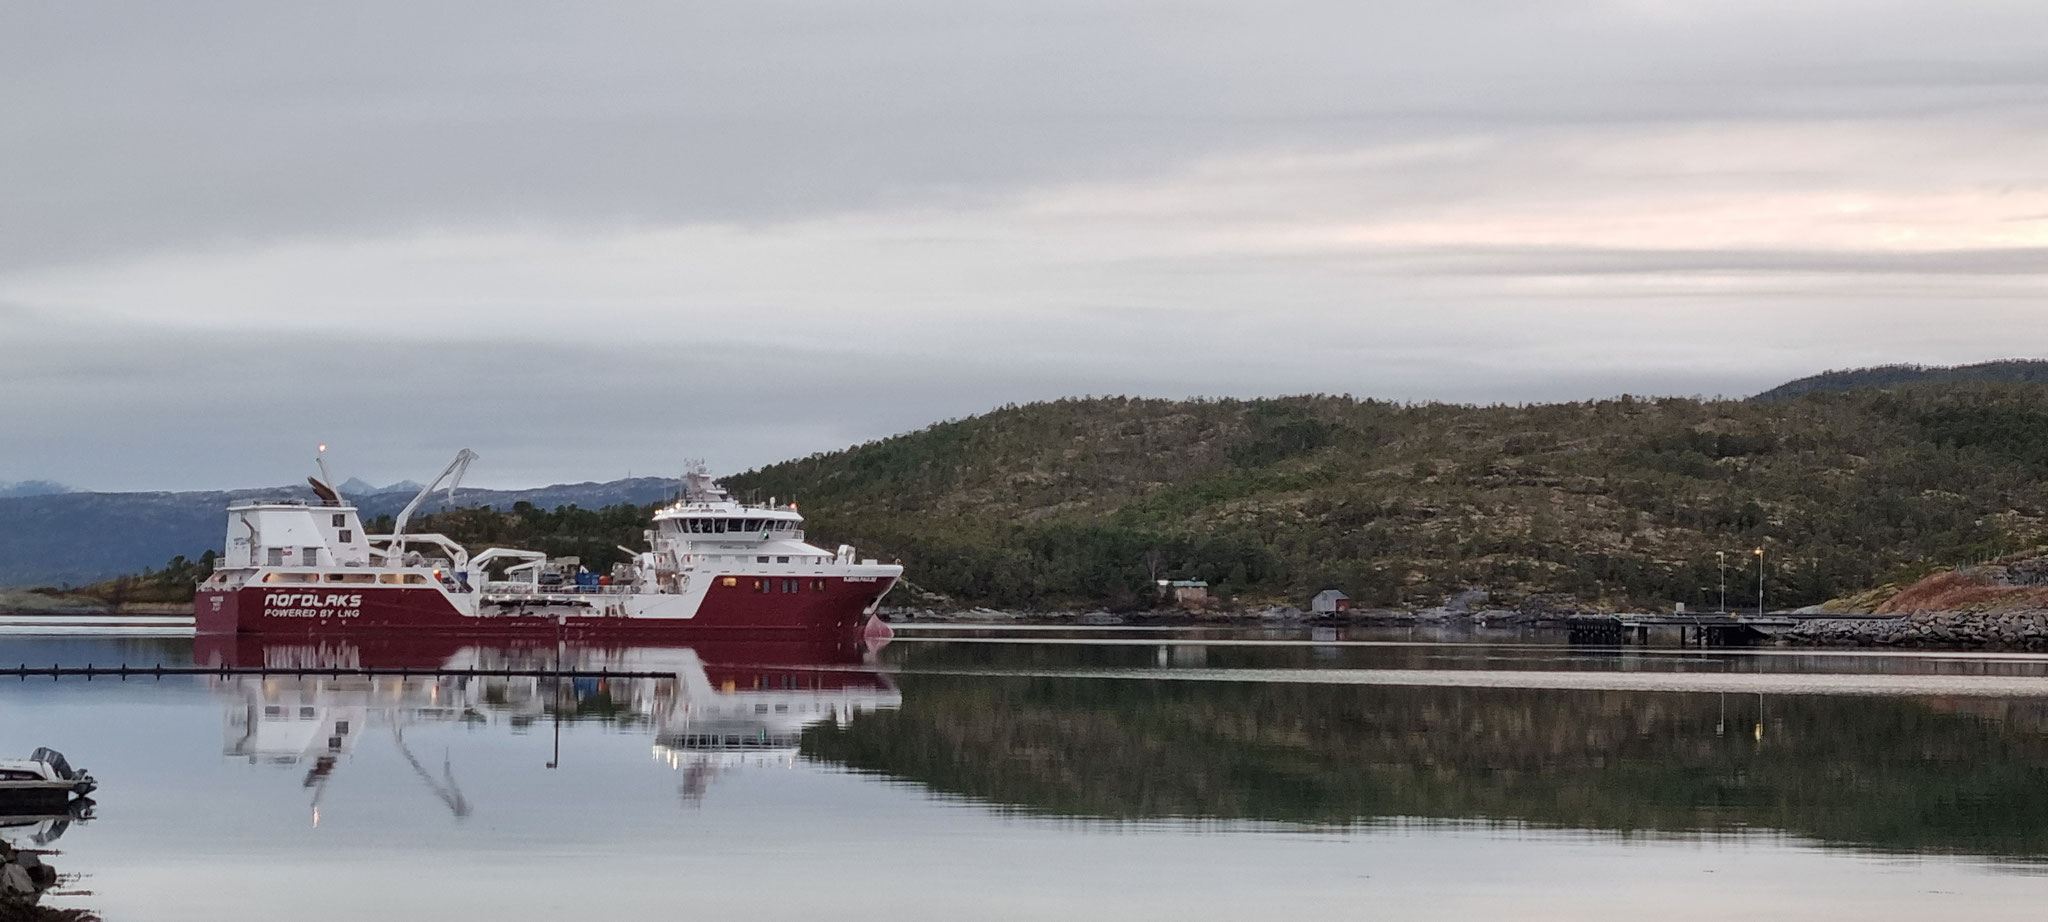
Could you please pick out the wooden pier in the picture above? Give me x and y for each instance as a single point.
(1694, 630)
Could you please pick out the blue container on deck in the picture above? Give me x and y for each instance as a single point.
(586, 582)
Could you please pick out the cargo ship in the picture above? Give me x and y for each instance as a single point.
(713, 568)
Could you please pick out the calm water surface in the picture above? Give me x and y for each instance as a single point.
(1033, 774)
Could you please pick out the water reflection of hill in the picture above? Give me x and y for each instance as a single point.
(1891, 774)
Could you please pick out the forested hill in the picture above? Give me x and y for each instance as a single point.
(1620, 501)
(2012, 371)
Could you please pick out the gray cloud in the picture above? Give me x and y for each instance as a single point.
(1569, 261)
(146, 125)
(590, 238)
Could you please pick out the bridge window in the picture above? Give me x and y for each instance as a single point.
(340, 520)
(348, 536)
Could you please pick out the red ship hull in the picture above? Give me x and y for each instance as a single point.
(831, 609)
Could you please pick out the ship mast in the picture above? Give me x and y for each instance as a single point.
(698, 487)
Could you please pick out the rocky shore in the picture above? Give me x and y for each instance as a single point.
(1934, 630)
(1940, 630)
(23, 878)
(1996, 606)
(1251, 617)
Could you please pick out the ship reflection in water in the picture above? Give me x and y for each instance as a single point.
(1028, 778)
(710, 708)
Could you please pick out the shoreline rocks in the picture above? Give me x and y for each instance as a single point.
(23, 875)
(2022, 629)
(2013, 630)
(1253, 617)
(23, 879)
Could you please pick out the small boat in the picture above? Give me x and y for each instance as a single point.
(44, 774)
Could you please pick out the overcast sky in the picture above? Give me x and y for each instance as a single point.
(591, 239)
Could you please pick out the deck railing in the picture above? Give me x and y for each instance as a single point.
(531, 591)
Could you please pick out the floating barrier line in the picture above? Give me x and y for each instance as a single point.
(89, 671)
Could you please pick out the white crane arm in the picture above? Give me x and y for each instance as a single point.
(455, 469)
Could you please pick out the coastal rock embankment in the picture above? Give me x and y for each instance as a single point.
(1943, 630)
(2001, 606)
(23, 878)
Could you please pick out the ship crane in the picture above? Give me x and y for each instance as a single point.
(396, 541)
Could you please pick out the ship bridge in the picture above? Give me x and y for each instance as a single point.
(730, 521)
(706, 509)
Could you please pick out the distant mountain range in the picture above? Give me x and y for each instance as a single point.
(354, 486)
(2010, 371)
(74, 538)
(31, 488)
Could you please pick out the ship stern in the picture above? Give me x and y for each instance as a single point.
(216, 611)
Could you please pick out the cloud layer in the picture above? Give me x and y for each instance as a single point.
(593, 239)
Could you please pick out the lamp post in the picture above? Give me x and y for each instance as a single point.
(1721, 570)
(1759, 582)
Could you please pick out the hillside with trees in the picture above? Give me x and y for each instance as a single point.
(1602, 504)
(2011, 371)
(1613, 502)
